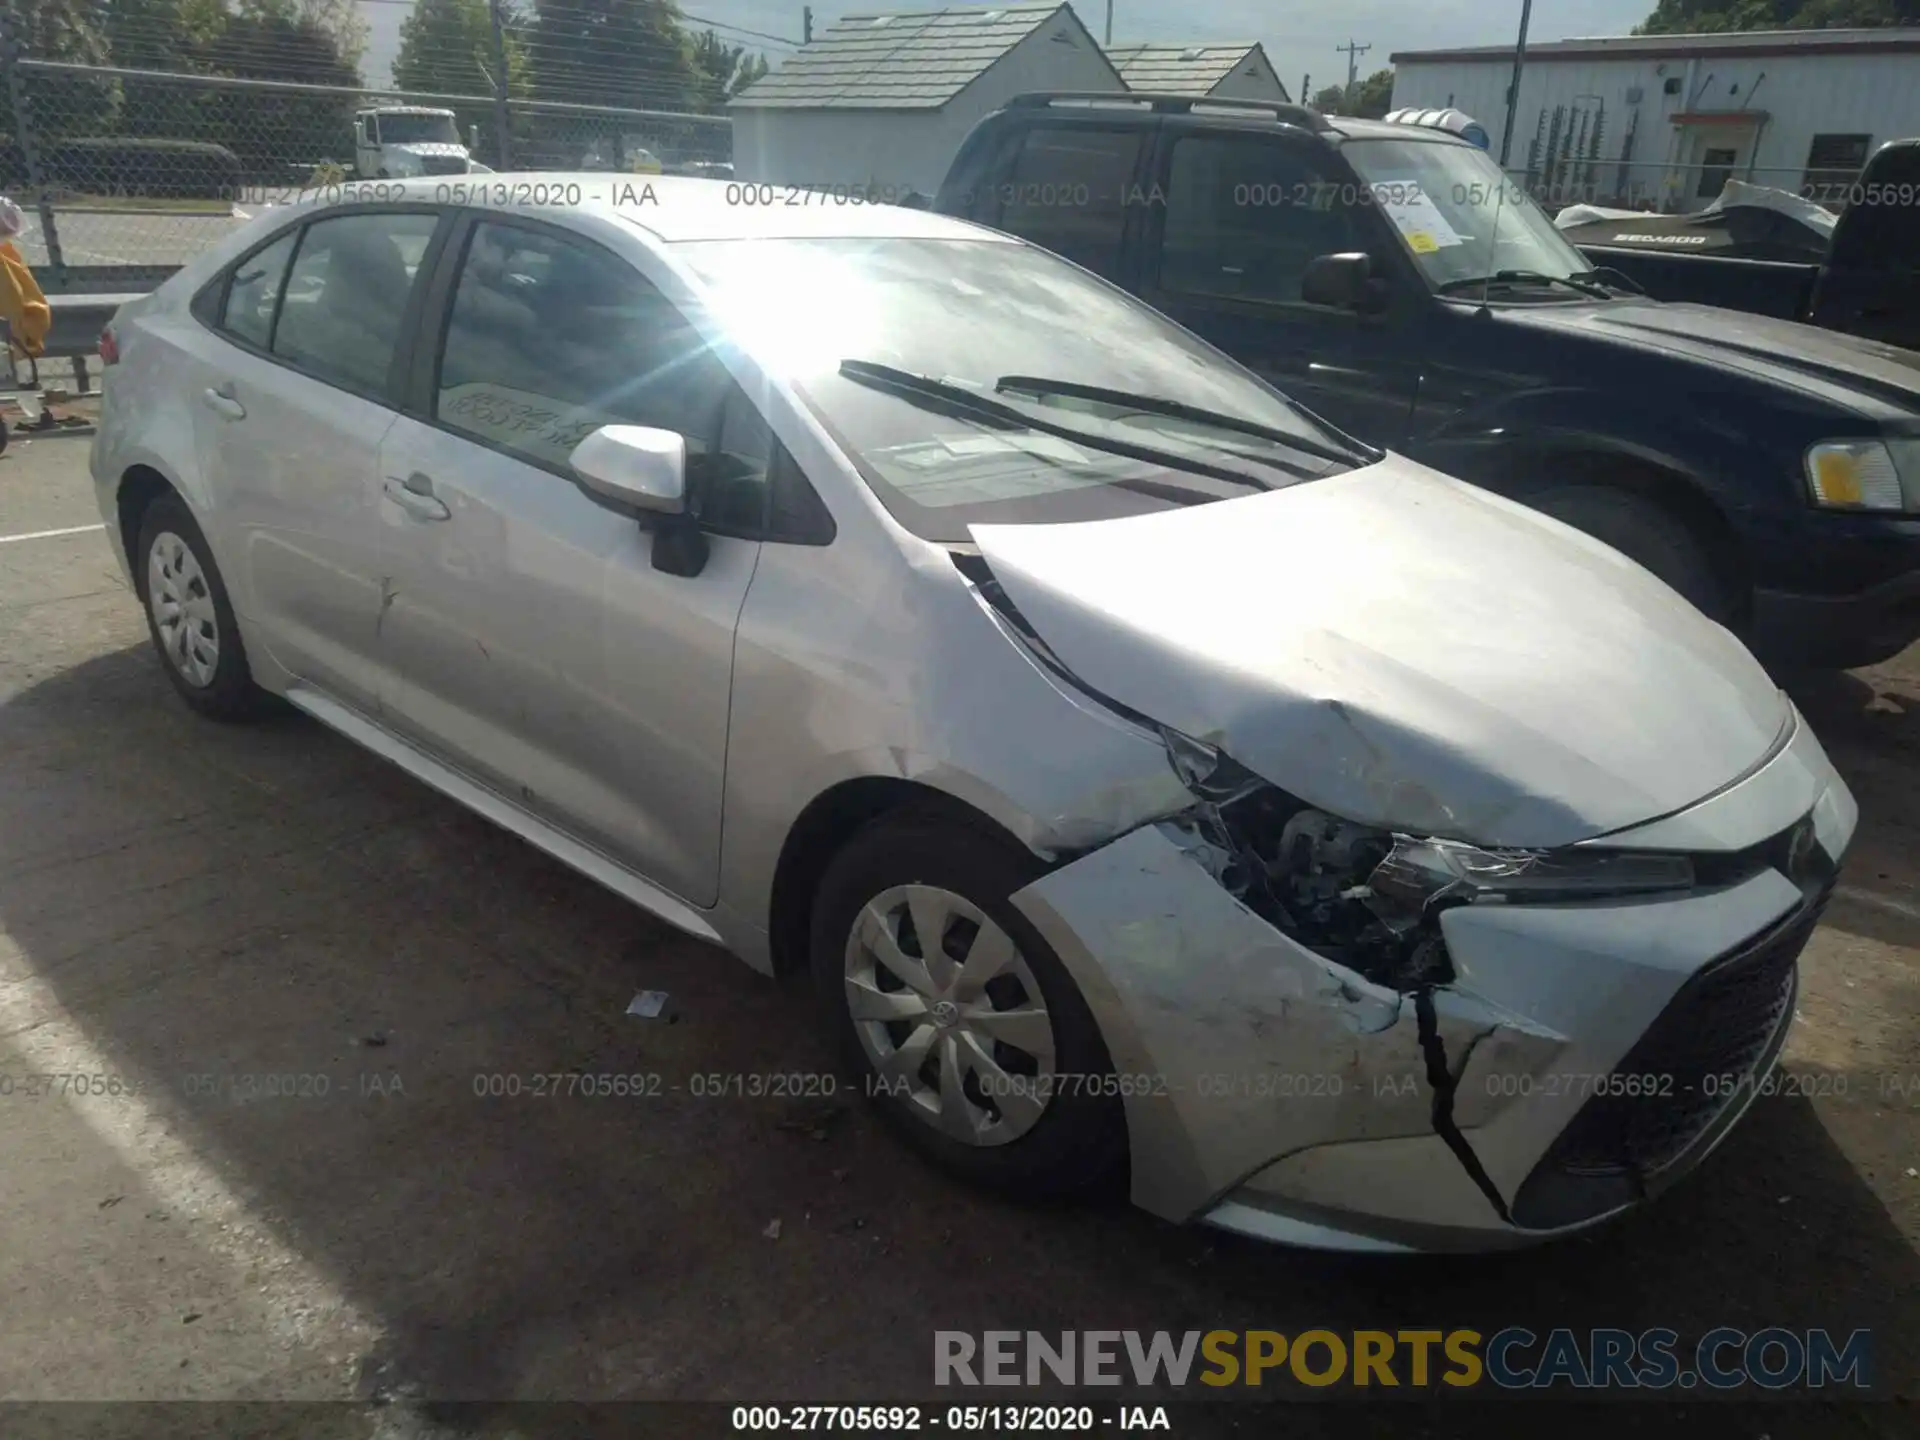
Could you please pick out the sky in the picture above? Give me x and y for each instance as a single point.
(1300, 36)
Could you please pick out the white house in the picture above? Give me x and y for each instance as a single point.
(885, 100)
(1667, 119)
(1236, 72)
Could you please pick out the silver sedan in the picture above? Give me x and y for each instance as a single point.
(1153, 781)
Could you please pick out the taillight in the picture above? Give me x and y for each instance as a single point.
(109, 347)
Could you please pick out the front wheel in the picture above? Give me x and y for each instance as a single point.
(955, 1015)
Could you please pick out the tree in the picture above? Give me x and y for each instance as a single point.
(163, 35)
(1686, 17)
(446, 48)
(631, 53)
(314, 42)
(1375, 95)
(723, 70)
(1371, 97)
(64, 102)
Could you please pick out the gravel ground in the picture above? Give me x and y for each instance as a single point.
(180, 900)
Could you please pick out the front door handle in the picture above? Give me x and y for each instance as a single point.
(415, 496)
(220, 400)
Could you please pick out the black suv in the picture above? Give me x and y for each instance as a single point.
(1390, 279)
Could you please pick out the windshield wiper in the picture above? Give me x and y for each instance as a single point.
(1179, 410)
(964, 404)
(1530, 277)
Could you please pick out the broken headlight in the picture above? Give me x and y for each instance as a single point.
(1369, 898)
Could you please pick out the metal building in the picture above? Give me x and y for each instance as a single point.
(1663, 121)
(885, 100)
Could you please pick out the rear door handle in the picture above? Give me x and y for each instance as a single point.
(415, 496)
(220, 400)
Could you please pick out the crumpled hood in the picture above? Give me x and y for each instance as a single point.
(1784, 351)
(1406, 651)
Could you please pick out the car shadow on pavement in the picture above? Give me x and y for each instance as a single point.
(333, 983)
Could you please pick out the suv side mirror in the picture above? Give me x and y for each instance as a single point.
(1344, 282)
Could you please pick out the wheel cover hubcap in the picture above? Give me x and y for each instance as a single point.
(950, 1015)
(183, 614)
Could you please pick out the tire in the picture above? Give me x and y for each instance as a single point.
(1028, 1135)
(1643, 531)
(201, 652)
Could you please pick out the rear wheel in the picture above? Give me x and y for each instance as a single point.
(956, 1016)
(1645, 532)
(189, 616)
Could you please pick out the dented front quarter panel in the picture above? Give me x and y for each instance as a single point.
(1288, 1087)
(1242, 1045)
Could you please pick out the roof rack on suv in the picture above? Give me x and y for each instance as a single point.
(1281, 110)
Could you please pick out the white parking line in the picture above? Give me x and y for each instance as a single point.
(51, 534)
(1877, 902)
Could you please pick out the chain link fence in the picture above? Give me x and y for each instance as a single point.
(126, 172)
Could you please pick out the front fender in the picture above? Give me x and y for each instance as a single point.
(1517, 442)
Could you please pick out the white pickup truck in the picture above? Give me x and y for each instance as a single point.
(395, 141)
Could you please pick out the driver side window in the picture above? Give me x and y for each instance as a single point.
(1245, 215)
(551, 337)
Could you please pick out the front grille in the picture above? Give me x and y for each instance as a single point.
(1693, 1062)
(443, 164)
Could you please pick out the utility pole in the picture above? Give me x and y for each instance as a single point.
(1306, 91)
(1513, 86)
(1353, 53)
(1108, 43)
(502, 124)
(806, 24)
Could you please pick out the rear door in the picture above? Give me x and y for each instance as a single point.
(1237, 218)
(290, 407)
(530, 641)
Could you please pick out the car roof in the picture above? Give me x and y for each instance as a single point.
(1213, 112)
(674, 208)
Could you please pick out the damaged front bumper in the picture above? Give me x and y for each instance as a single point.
(1578, 1057)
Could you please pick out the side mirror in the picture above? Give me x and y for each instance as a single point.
(636, 466)
(1344, 282)
(644, 469)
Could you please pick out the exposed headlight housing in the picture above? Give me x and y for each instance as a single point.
(1881, 475)
(1369, 898)
(1418, 872)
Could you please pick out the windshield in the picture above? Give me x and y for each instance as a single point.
(1458, 216)
(418, 130)
(970, 314)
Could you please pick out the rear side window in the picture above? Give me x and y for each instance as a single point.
(347, 293)
(248, 313)
(1246, 215)
(1067, 191)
